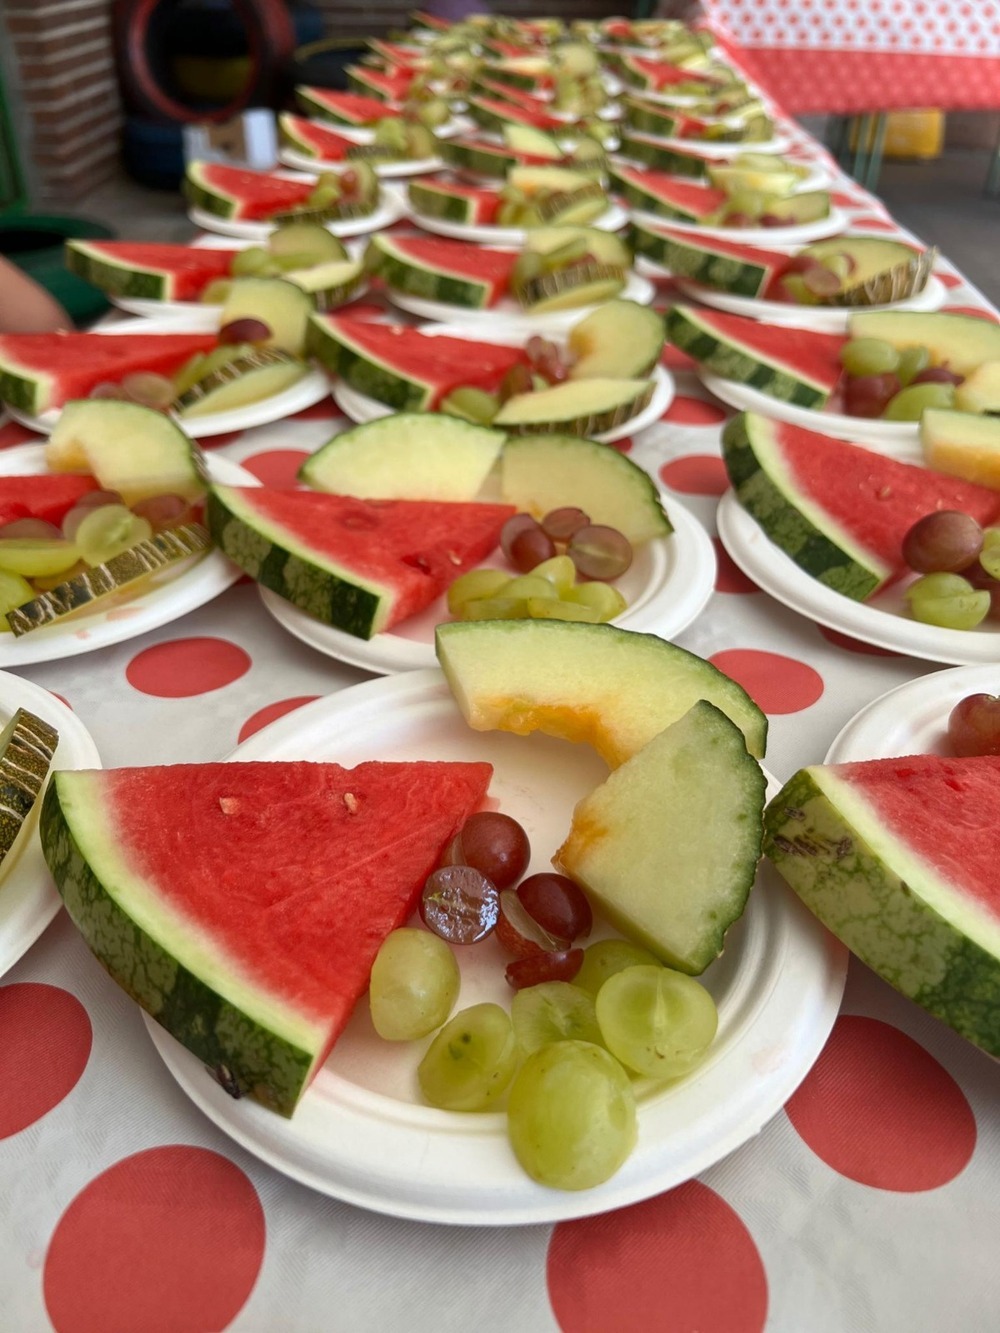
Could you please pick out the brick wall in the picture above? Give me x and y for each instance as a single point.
(346, 19)
(66, 106)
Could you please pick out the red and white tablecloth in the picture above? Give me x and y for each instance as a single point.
(868, 1205)
(850, 56)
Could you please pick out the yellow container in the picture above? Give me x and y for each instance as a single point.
(909, 134)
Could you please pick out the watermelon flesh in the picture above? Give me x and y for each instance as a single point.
(49, 496)
(692, 199)
(659, 74)
(349, 108)
(242, 905)
(506, 93)
(314, 139)
(461, 259)
(256, 195)
(186, 270)
(537, 119)
(898, 858)
(717, 245)
(483, 203)
(392, 85)
(813, 356)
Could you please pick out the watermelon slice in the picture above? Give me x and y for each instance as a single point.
(386, 85)
(493, 114)
(402, 367)
(838, 510)
(795, 365)
(49, 496)
(726, 266)
(359, 565)
(243, 195)
(655, 75)
(39, 371)
(455, 272)
(437, 198)
(396, 55)
(657, 192)
(643, 146)
(344, 108)
(898, 858)
(254, 944)
(531, 73)
(312, 139)
(421, 19)
(150, 272)
(506, 92)
(488, 157)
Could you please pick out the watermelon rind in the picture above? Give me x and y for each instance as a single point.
(416, 277)
(480, 159)
(203, 194)
(640, 194)
(27, 747)
(726, 356)
(695, 258)
(796, 524)
(117, 277)
(891, 907)
(650, 117)
(436, 201)
(332, 346)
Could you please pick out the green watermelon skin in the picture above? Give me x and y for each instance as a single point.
(651, 117)
(342, 108)
(475, 205)
(148, 272)
(725, 266)
(361, 566)
(923, 927)
(268, 1040)
(662, 194)
(438, 269)
(240, 194)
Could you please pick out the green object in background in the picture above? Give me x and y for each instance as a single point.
(35, 244)
(12, 191)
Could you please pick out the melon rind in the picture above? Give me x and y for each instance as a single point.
(650, 117)
(158, 960)
(694, 258)
(727, 357)
(27, 388)
(321, 110)
(809, 536)
(480, 159)
(358, 368)
(436, 201)
(27, 747)
(117, 277)
(639, 197)
(210, 198)
(420, 278)
(887, 904)
(671, 160)
(576, 407)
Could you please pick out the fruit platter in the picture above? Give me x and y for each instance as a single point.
(235, 201)
(533, 526)
(559, 275)
(602, 379)
(245, 373)
(395, 147)
(357, 116)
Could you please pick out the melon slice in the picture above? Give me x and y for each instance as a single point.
(27, 748)
(726, 266)
(454, 202)
(668, 846)
(254, 946)
(653, 152)
(655, 192)
(838, 510)
(610, 688)
(897, 857)
(243, 195)
(43, 496)
(147, 271)
(963, 445)
(408, 456)
(343, 108)
(312, 139)
(386, 86)
(494, 113)
(250, 376)
(455, 272)
(361, 566)
(281, 304)
(795, 365)
(580, 407)
(331, 284)
(961, 342)
(881, 270)
(482, 157)
(980, 390)
(621, 340)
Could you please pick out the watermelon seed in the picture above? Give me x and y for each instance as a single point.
(226, 1079)
(228, 805)
(352, 802)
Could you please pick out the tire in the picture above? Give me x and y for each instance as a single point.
(139, 26)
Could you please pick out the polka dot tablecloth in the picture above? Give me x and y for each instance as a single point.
(847, 56)
(868, 1205)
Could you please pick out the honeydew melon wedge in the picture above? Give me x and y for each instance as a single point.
(282, 305)
(128, 448)
(621, 340)
(526, 139)
(897, 857)
(608, 687)
(667, 847)
(329, 285)
(962, 445)
(27, 747)
(731, 178)
(250, 377)
(306, 238)
(980, 391)
(605, 246)
(961, 342)
(540, 473)
(570, 288)
(581, 407)
(408, 456)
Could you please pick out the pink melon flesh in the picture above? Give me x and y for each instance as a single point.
(260, 194)
(698, 200)
(48, 496)
(813, 356)
(662, 75)
(326, 144)
(352, 108)
(539, 120)
(485, 201)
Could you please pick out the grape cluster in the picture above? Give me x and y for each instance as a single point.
(894, 385)
(546, 364)
(959, 564)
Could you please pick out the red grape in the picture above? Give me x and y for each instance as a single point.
(945, 542)
(148, 389)
(163, 511)
(34, 528)
(495, 845)
(512, 528)
(517, 380)
(561, 966)
(530, 547)
(739, 220)
(974, 725)
(460, 904)
(821, 281)
(937, 375)
(600, 552)
(107, 389)
(561, 524)
(246, 330)
(348, 181)
(558, 905)
(518, 932)
(92, 500)
(869, 395)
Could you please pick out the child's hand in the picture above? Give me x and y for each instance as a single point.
(26, 307)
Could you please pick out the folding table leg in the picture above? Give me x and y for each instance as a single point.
(992, 187)
(875, 158)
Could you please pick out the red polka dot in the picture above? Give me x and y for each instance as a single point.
(674, 359)
(776, 684)
(276, 467)
(168, 1241)
(854, 645)
(320, 411)
(624, 445)
(184, 667)
(694, 412)
(976, 311)
(271, 712)
(949, 279)
(680, 1262)
(879, 1109)
(61, 699)
(45, 1040)
(696, 474)
(729, 577)
(219, 441)
(12, 434)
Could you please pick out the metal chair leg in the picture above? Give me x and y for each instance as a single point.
(875, 155)
(992, 187)
(859, 167)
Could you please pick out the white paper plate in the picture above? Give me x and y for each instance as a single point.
(312, 388)
(612, 219)
(360, 1134)
(391, 208)
(882, 621)
(912, 718)
(366, 134)
(198, 316)
(667, 588)
(166, 599)
(384, 170)
(825, 319)
(508, 311)
(898, 439)
(28, 897)
(773, 237)
(818, 179)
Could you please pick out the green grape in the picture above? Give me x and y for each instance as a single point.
(527, 267)
(560, 572)
(475, 405)
(471, 1061)
(656, 1021)
(989, 556)
(473, 584)
(495, 608)
(528, 585)
(553, 1011)
(571, 1115)
(390, 133)
(217, 292)
(14, 591)
(869, 356)
(910, 403)
(554, 608)
(912, 360)
(108, 530)
(247, 263)
(751, 202)
(608, 957)
(607, 601)
(33, 557)
(325, 195)
(948, 601)
(190, 373)
(414, 984)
